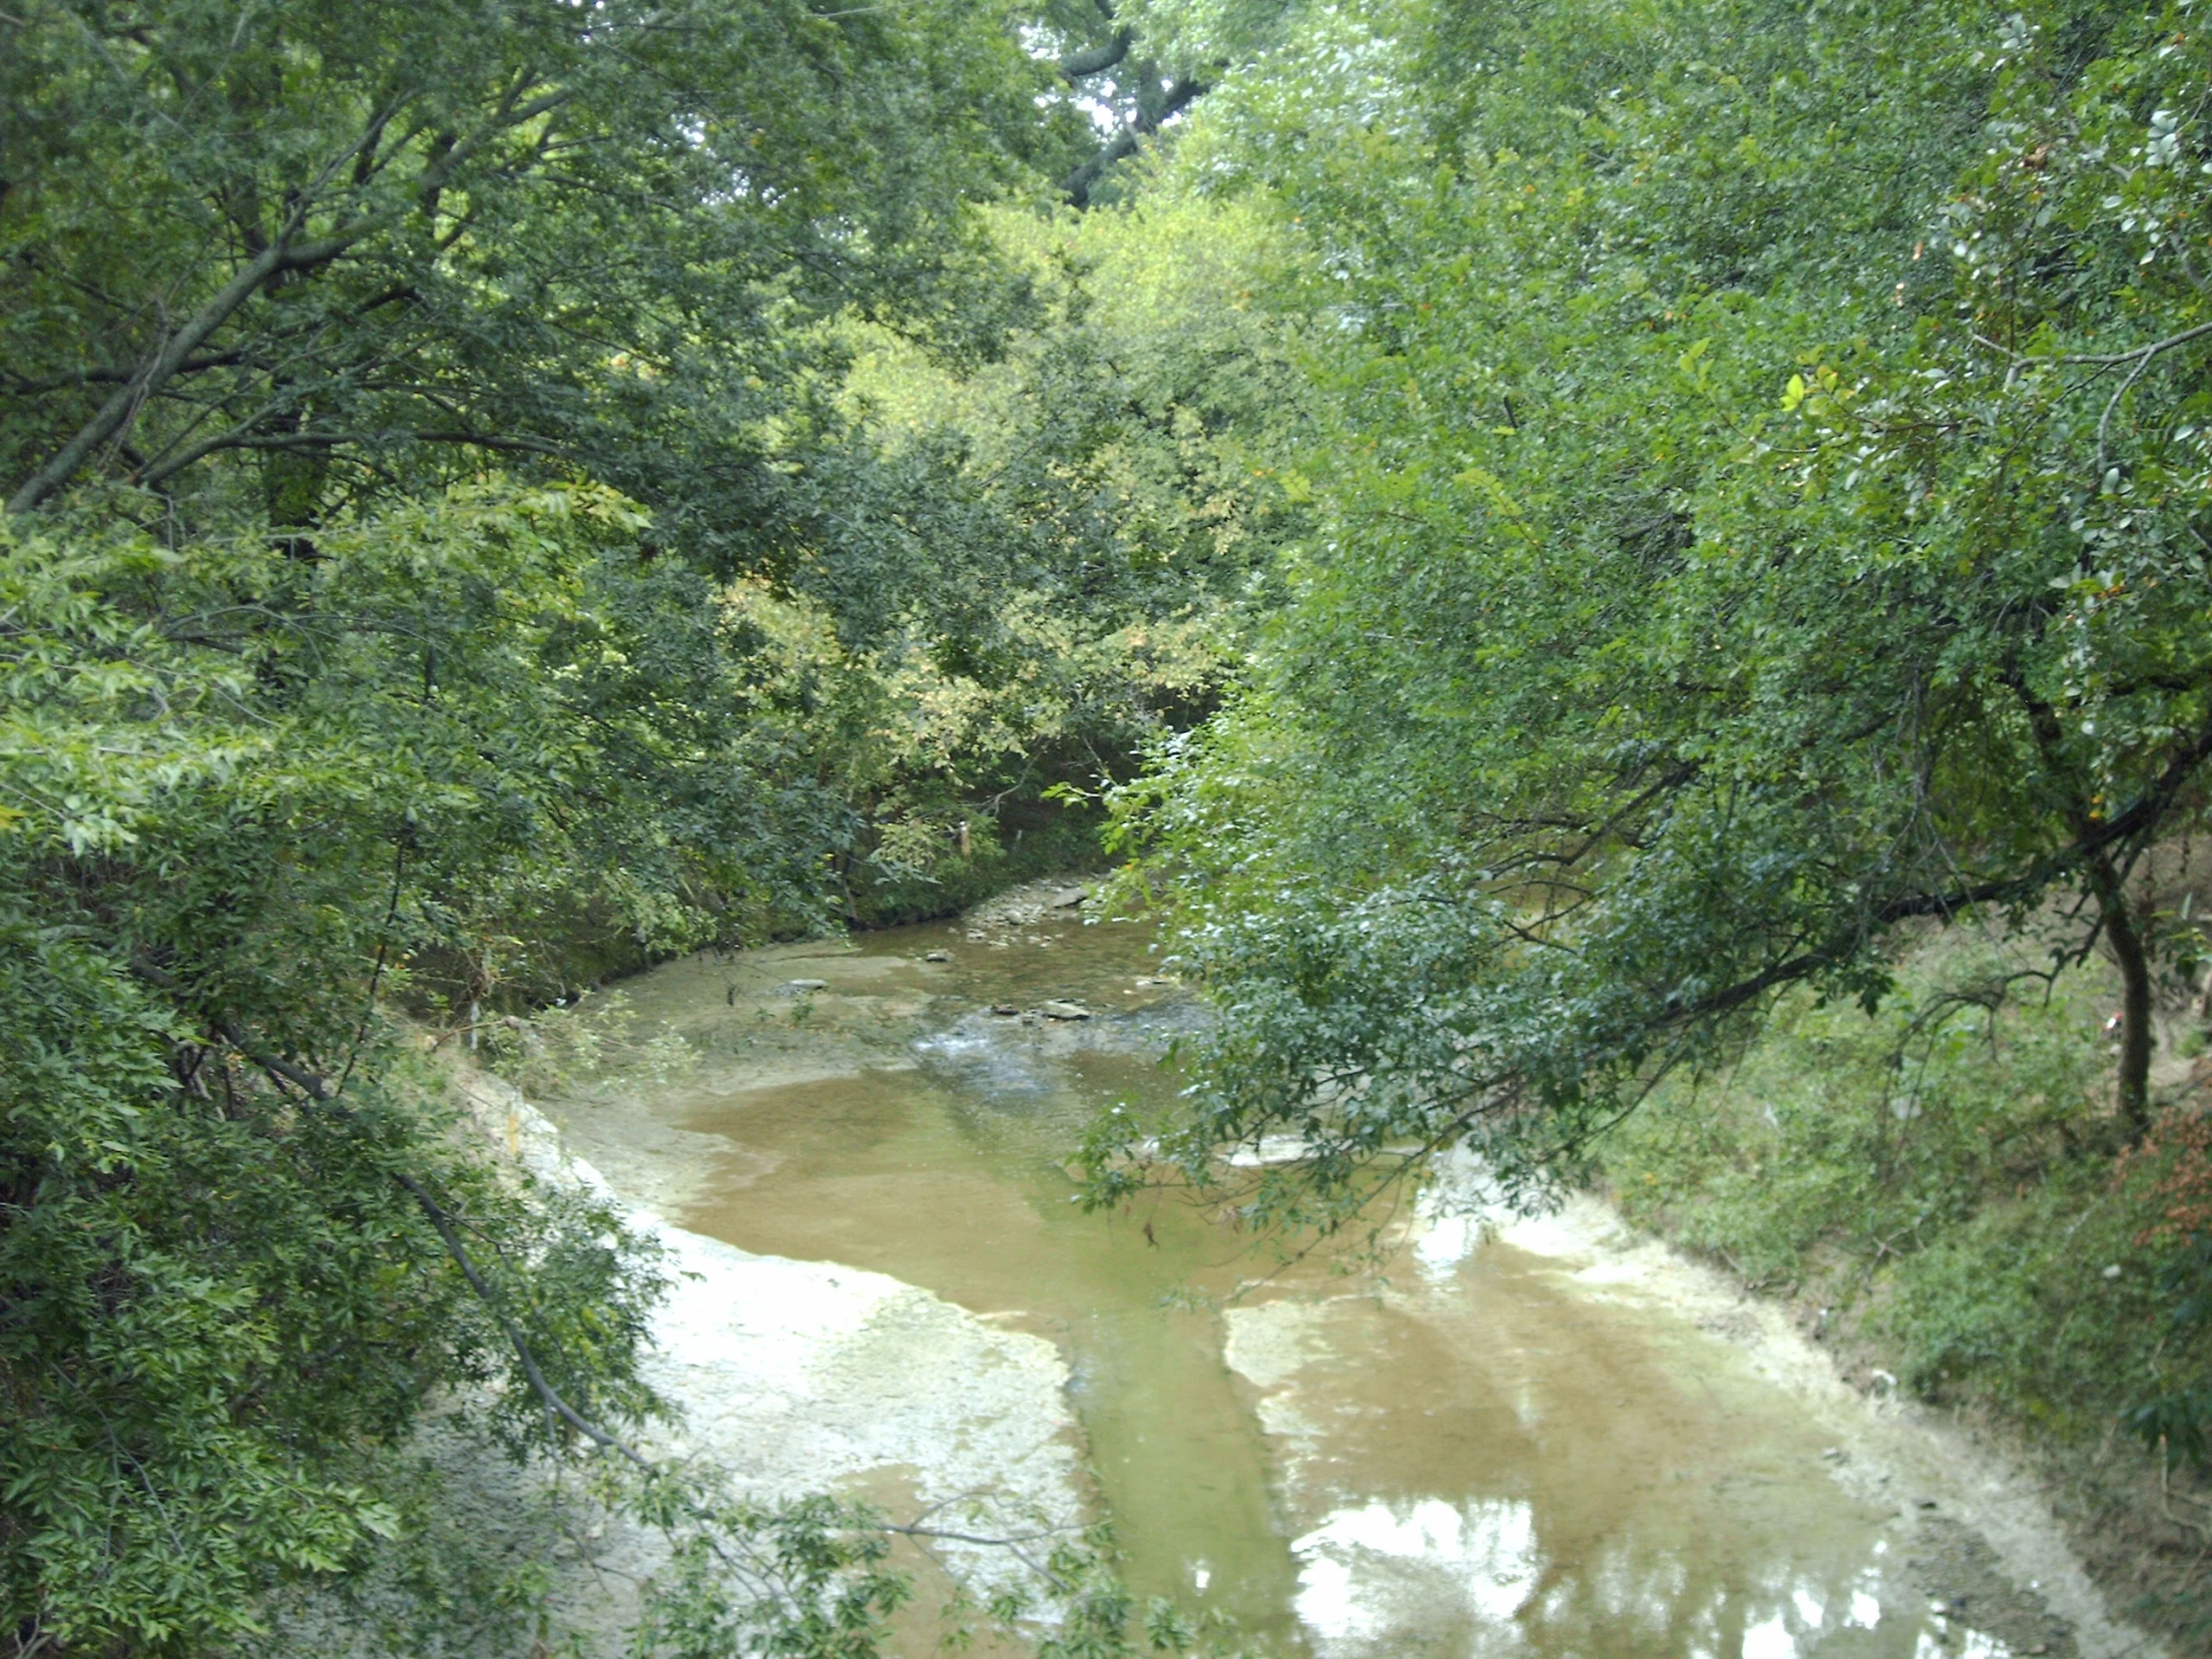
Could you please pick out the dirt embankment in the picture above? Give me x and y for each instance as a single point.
(2052, 1549)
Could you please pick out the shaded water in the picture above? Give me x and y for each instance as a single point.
(1485, 1454)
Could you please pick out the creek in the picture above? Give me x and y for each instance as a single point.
(1518, 1439)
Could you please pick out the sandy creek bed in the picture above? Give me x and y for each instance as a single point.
(1539, 1437)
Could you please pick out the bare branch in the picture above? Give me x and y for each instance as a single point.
(2109, 359)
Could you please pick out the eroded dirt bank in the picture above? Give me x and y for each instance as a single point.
(1979, 1534)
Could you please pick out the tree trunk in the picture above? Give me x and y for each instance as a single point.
(2135, 995)
(2116, 921)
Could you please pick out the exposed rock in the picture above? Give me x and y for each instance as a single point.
(1064, 1010)
(801, 987)
(1068, 897)
(937, 956)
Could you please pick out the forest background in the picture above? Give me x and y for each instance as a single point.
(1633, 576)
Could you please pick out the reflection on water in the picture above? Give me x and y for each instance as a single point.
(1367, 1576)
(1492, 1461)
(1472, 1578)
(1480, 1458)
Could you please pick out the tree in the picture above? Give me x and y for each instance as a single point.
(1045, 561)
(1761, 514)
(370, 248)
(1134, 69)
(341, 684)
(232, 1268)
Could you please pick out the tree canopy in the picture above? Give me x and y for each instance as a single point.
(1759, 481)
(349, 243)
(444, 564)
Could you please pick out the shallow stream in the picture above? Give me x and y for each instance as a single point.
(1498, 1447)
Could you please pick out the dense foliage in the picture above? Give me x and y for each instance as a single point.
(357, 240)
(1762, 507)
(246, 792)
(1758, 476)
(443, 563)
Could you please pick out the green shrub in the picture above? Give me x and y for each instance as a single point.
(2020, 1303)
(1946, 1172)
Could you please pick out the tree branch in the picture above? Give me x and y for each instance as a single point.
(316, 1087)
(21, 387)
(2109, 359)
(1092, 60)
(283, 254)
(1178, 95)
(546, 1392)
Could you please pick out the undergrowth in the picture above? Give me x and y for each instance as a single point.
(1947, 1177)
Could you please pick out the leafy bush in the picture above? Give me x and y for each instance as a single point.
(2020, 1303)
(223, 1310)
(242, 1237)
(1872, 1133)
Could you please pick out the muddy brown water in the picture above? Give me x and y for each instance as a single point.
(1475, 1456)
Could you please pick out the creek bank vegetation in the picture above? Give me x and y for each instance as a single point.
(1942, 1194)
(1602, 525)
